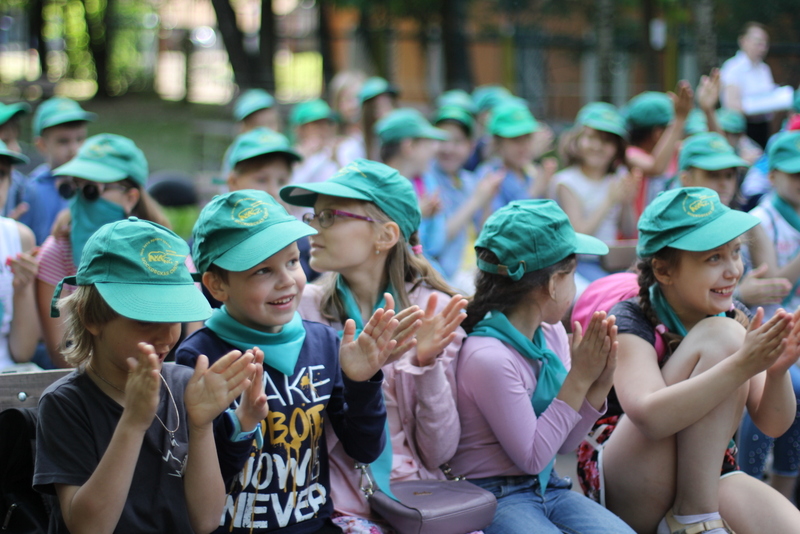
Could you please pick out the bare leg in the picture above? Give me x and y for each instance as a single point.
(752, 507)
(784, 485)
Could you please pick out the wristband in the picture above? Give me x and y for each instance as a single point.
(237, 435)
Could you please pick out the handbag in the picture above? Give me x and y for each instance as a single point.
(431, 506)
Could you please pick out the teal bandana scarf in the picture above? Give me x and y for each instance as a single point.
(281, 350)
(551, 375)
(87, 218)
(666, 314)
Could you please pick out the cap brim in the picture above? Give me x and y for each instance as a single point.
(242, 114)
(262, 151)
(517, 130)
(719, 162)
(13, 109)
(306, 195)
(63, 118)
(606, 127)
(262, 245)
(156, 303)
(89, 170)
(716, 233)
(15, 157)
(435, 133)
(790, 166)
(587, 244)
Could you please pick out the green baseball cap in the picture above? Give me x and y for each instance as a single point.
(488, 96)
(369, 181)
(251, 101)
(138, 268)
(528, 235)
(696, 122)
(457, 98)
(783, 152)
(7, 111)
(257, 142)
(731, 121)
(649, 109)
(604, 117)
(689, 218)
(406, 123)
(376, 86)
(107, 158)
(451, 113)
(238, 230)
(709, 151)
(310, 111)
(15, 157)
(57, 111)
(511, 118)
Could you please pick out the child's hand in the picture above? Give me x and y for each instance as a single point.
(24, 266)
(438, 329)
(683, 99)
(590, 352)
(489, 185)
(542, 140)
(361, 358)
(142, 388)
(606, 378)
(708, 90)
(430, 205)
(409, 322)
(755, 289)
(253, 408)
(211, 390)
(625, 188)
(765, 343)
(791, 352)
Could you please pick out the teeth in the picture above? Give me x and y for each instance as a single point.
(723, 291)
(282, 301)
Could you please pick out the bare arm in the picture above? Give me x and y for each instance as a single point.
(25, 331)
(480, 199)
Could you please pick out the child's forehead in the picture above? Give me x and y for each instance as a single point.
(65, 129)
(264, 164)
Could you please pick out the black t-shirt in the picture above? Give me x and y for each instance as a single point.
(75, 425)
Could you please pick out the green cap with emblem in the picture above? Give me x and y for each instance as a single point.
(257, 142)
(528, 235)
(406, 123)
(731, 121)
(238, 230)
(451, 113)
(604, 117)
(649, 109)
(369, 181)
(783, 152)
(107, 158)
(57, 111)
(15, 157)
(488, 96)
(251, 101)
(457, 98)
(689, 218)
(139, 269)
(8, 111)
(511, 118)
(311, 111)
(376, 86)
(709, 151)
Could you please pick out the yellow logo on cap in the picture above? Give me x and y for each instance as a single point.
(698, 205)
(249, 212)
(159, 258)
(98, 150)
(352, 167)
(717, 145)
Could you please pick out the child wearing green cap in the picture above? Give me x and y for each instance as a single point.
(102, 184)
(524, 392)
(60, 127)
(687, 368)
(10, 130)
(125, 442)
(19, 323)
(378, 97)
(255, 108)
(367, 220)
(275, 443)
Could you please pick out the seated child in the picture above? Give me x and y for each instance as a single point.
(126, 441)
(244, 244)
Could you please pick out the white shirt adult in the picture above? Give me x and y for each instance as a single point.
(746, 74)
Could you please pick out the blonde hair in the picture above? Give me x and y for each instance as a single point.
(402, 267)
(82, 308)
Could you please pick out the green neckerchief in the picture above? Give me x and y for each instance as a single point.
(382, 467)
(551, 375)
(281, 350)
(666, 314)
(790, 215)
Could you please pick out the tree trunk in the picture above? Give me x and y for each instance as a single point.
(653, 80)
(457, 64)
(605, 46)
(705, 35)
(233, 39)
(35, 29)
(267, 46)
(99, 26)
(376, 43)
(326, 42)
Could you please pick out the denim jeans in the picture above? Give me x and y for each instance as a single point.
(521, 509)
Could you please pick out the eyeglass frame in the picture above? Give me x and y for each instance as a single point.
(67, 189)
(310, 216)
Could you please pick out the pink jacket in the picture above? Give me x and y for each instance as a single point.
(426, 398)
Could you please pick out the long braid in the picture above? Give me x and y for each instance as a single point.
(647, 277)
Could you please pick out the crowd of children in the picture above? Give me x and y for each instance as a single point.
(379, 294)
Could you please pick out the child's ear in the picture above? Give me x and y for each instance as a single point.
(407, 147)
(388, 237)
(231, 181)
(686, 179)
(772, 177)
(40, 146)
(662, 271)
(216, 286)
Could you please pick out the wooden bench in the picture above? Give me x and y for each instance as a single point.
(23, 389)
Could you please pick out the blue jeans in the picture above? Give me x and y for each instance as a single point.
(754, 445)
(521, 509)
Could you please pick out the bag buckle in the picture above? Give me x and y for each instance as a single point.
(365, 480)
(448, 472)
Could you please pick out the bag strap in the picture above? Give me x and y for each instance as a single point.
(365, 482)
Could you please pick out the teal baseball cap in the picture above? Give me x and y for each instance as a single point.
(487, 97)
(783, 152)
(604, 117)
(107, 158)
(731, 121)
(251, 101)
(7, 111)
(15, 157)
(311, 111)
(238, 230)
(511, 118)
(452, 113)
(709, 151)
(257, 142)
(369, 181)
(138, 268)
(375, 86)
(59, 110)
(696, 122)
(528, 235)
(689, 218)
(649, 109)
(406, 123)
(457, 98)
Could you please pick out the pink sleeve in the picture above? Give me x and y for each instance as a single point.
(55, 260)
